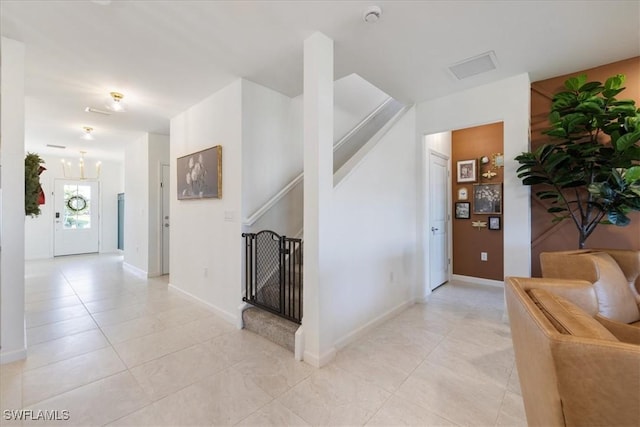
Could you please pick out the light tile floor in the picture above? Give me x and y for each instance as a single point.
(117, 350)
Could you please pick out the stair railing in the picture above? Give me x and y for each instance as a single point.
(273, 273)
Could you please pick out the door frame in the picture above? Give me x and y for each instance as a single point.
(431, 152)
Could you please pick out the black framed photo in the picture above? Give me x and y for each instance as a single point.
(463, 210)
(200, 174)
(487, 198)
(494, 223)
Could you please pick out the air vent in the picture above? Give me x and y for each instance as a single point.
(95, 110)
(56, 146)
(474, 66)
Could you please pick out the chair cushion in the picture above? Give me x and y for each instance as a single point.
(568, 318)
(615, 298)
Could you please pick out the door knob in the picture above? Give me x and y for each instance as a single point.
(434, 229)
(166, 225)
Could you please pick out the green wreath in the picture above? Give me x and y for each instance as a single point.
(77, 203)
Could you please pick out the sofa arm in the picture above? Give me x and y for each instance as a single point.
(598, 381)
(624, 332)
(579, 292)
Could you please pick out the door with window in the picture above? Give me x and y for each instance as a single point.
(76, 217)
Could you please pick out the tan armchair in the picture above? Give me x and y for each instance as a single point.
(573, 371)
(615, 276)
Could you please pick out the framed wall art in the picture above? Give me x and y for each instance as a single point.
(200, 174)
(467, 171)
(494, 223)
(487, 198)
(463, 210)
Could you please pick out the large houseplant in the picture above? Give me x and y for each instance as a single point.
(591, 172)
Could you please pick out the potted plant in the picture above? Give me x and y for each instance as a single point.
(591, 172)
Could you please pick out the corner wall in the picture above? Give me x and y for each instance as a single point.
(13, 344)
(507, 101)
(206, 242)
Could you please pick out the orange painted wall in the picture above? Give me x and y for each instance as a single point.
(546, 236)
(469, 242)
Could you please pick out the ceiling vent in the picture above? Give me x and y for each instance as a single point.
(473, 66)
(56, 146)
(95, 110)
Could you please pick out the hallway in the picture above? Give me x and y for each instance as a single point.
(112, 348)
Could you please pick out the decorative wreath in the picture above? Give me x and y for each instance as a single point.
(77, 203)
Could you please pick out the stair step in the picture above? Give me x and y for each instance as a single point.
(269, 326)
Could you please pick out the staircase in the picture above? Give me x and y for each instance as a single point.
(273, 264)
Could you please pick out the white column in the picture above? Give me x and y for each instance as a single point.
(12, 218)
(318, 193)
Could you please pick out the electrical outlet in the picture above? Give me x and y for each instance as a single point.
(483, 256)
(391, 278)
(205, 272)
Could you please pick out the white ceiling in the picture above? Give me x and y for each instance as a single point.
(167, 55)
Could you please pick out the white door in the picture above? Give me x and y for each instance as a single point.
(165, 219)
(438, 220)
(76, 216)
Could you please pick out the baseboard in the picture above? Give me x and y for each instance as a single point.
(298, 353)
(367, 327)
(220, 312)
(478, 280)
(135, 270)
(12, 356)
(239, 320)
(319, 362)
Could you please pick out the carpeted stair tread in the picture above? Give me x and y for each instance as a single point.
(271, 327)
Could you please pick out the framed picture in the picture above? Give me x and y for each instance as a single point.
(463, 193)
(467, 171)
(463, 210)
(487, 198)
(200, 174)
(494, 223)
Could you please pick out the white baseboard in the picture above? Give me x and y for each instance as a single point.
(12, 356)
(298, 353)
(367, 327)
(240, 321)
(478, 280)
(322, 360)
(135, 270)
(231, 318)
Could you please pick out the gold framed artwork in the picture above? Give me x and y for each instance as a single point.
(200, 174)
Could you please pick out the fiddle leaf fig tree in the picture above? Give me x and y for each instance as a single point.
(591, 172)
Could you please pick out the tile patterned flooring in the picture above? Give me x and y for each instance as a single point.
(117, 350)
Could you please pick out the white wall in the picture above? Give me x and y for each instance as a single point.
(372, 268)
(39, 231)
(12, 326)
(206, 249)
(508, 101)
(271, 156)
(136, 204)
(354, 99)
(158, 154)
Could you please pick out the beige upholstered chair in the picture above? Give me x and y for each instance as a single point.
(615, 276)
(572, 370)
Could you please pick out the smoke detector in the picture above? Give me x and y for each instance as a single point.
(371, 14)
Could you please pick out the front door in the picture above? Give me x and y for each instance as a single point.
(76, 216)
(438, 219)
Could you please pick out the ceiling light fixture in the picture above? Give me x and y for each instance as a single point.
(371, 14)
(66, 169)
(115, 102)
(87, 133)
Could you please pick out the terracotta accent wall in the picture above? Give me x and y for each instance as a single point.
(469, 242)
(546, 236)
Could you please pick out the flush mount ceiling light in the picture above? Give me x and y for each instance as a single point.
(371, 14)
(476, 65)
(115, 102)
(87, 133)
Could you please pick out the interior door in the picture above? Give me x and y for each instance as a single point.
(165, 219)
(438, 219)
(76, 216)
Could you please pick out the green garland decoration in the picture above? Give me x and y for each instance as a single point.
(32, 184)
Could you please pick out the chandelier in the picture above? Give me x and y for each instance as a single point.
(66, 169)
